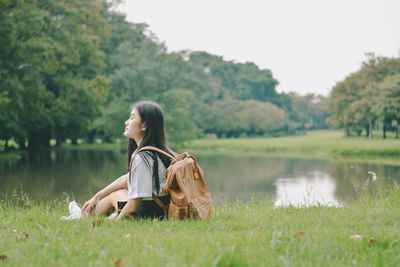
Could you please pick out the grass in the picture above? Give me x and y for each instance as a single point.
(328, 144)
(238, 234)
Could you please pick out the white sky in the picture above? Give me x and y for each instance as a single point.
(308, 45)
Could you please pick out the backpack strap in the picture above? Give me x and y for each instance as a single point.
(158, 201)
(153, 148)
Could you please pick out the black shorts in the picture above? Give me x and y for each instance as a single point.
(148, 209)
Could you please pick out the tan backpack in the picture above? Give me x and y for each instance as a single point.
(186, 185)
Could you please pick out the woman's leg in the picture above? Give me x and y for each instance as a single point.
(108, 204)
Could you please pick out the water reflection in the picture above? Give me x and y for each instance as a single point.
(49, 175)
(315, 188)
(279, 180)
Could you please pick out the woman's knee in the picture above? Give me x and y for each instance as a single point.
(118, 195)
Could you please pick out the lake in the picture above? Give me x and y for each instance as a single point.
(282, 181)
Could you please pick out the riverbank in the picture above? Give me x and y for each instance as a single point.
(327, 144)
(365, 233)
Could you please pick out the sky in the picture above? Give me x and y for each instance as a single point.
(309, 45)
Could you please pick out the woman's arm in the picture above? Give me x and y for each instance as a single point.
(129, 208)
(119, 183)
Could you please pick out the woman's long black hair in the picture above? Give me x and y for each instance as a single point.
(154, 135)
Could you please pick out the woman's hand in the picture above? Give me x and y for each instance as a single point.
(89, 206)
(131, 206)
(113, 216)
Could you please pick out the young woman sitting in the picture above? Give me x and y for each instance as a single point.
(132, 194)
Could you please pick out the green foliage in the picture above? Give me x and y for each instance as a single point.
(309, 111)
(231, 118)
(51, 67)
(72, 69)
(390, 97)
(238, 80)
(177, 106)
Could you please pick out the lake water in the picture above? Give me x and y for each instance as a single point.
(283, 181)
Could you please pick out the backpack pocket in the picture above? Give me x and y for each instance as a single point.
(201, 207)
(177, 212)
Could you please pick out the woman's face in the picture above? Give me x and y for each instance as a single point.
(134, 128)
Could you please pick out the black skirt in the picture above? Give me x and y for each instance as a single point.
(148, 209)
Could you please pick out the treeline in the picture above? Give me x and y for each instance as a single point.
(368, 99)
(71, 69)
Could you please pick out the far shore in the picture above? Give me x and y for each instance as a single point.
(329, 145)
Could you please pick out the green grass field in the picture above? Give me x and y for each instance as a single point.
(327, 144)
(238, 234)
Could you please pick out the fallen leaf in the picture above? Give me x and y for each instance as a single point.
(22, 237)
(14, 231)
(372, 240)
(96, 223)
(118, 262)
(299, 234)
(127, 236)
(3, 257)
(356, 237)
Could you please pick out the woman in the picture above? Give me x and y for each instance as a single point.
(132, 193)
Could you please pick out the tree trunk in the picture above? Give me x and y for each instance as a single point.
(108, 139)
(74, 141)
(21, 143)
(59, 140)
(347, 131)
(6, 145)
(369, 128)
(384, 131)
(38, 141)
(91, 136)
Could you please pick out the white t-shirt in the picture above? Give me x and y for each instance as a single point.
(141, 183)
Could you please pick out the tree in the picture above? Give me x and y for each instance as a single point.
(390, 99)
(360, 100)
(72, 69)
(177, 106)
(50, 55)
(231, 118)
(311, 110)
